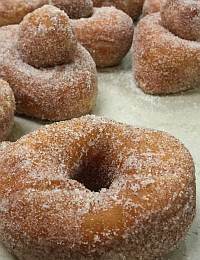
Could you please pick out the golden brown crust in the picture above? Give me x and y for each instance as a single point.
(182, 18)
(132, 7)
(13, 11)
(46, 38)
(75, 9)
(143, 204)
(163, 62)
(107, 35)
(7, 108)
(56, 93)
(151, 6)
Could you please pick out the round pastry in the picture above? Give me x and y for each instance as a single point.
(13, 11)
(46, 38)
(107, 35)
(151, 6)
(7, 107)
(90, 188)
(52, 93)
(74, 8)
(164, 61)
(132, 7)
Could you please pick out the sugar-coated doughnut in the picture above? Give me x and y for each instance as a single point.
(164, 61)
(107, 35)
(46, 38)
(13, 11)
(53, 93)
(151, 6)
(7, 108)
(90, 188)
(131, 7)
(75, 8)
(182, 18)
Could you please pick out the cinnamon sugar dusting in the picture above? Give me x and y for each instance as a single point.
(90, 188)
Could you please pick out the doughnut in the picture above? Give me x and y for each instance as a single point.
(46, 38)
(107, 35)
(164, 61)
(52, 93)
(7, 107)
(182, 18)
(75, 9)
(132, 7)
(151, 6)
(13, 11)
(90, 188)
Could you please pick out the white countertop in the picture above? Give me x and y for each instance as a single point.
(121, 100)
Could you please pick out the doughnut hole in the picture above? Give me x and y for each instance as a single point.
(182, 18)
(95, 172)
(46, 38)
(75, 9)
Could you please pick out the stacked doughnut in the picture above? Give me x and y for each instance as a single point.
(90, 188)
(7, 107)
(105, 32)
(131, 7)
(167, 48)
(53, 77)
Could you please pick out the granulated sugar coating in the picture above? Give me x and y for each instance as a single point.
(56, 93)
(107, 35)
(90, 188)
(75, 9)
(46, 38)
(7, 107)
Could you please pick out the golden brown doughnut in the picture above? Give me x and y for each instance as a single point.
(182, 18)
(151, 6)
(53, 93)
(74, 8)
(163, 62)
(131, 7)
(107, 35)
(13, 11)
(46, 38)
(90, 188)
(7, 107)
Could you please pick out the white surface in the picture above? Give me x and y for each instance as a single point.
(121, 100)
